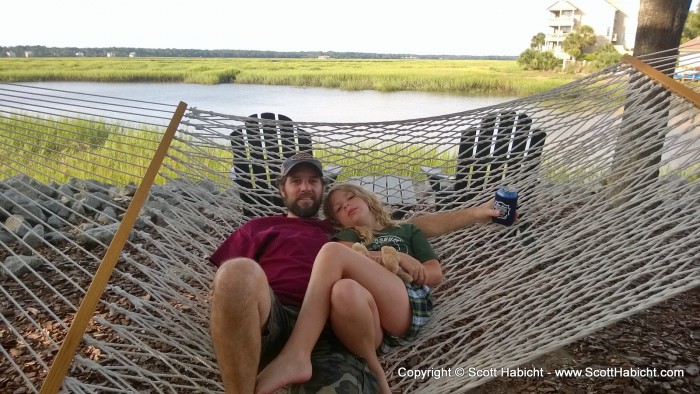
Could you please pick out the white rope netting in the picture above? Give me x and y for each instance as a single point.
(609, 225)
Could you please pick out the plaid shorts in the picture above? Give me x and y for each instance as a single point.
(421, 308)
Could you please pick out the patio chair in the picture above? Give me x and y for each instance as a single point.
(259, 148)
(489, 154)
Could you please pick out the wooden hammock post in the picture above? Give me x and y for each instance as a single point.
(65, 355)
(674, 86)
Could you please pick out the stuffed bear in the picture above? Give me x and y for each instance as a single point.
(390, 259)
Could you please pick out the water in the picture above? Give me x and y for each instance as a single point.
(299, 103)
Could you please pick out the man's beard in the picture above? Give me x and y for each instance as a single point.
(305, 211)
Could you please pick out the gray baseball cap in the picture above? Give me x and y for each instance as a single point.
(301, 158)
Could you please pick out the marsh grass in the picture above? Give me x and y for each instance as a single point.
(691, 172)
(60, 148)
(374, 157)
(467, 77)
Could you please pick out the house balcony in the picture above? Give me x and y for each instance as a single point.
(555, 37)
(561, 21)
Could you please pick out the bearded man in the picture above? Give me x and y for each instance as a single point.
(263, 271)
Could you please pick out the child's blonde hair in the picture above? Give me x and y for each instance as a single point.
(375, 205)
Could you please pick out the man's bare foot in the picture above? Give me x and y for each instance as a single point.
(283, 370)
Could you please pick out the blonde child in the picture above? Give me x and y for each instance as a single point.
(390, 310)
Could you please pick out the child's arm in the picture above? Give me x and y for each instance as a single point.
(435, 224)
(427, 273)
(430, 271)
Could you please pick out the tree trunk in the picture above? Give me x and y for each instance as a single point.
(660, 25)
(638, 150)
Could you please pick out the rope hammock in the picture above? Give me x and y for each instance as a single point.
(609, 224)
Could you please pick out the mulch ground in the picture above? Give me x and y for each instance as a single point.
(664, 337)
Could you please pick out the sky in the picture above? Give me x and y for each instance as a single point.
(422, 27)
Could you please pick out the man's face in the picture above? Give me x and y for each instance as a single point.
(302, 191)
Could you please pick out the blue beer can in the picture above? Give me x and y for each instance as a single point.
(507, 203)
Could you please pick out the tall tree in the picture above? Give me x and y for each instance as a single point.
(537, 41)
(660, 25)
(638, 149)
(578, 40)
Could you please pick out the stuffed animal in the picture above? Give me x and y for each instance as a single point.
(390, 259)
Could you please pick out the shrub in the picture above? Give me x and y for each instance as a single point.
(606, 55)
(526, 59)
(536, 60)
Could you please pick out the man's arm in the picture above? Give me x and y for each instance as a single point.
(435, 224)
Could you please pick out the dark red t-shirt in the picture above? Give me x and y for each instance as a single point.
(284, 247)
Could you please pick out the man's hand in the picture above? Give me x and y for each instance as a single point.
(485, 212)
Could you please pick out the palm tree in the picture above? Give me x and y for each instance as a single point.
(537, 41)
(578, 40)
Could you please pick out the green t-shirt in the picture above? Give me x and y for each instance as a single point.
(406, 238)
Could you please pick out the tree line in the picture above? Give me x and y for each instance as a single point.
(43, 51)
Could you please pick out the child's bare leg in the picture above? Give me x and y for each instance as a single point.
(355, 321)
(333, 263)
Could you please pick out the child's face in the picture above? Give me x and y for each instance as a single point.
(349, 209)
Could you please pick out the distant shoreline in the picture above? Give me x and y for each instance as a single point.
(459, 77)
(43, 51)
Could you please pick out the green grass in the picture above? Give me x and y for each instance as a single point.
(59, 149)
(692, 172)
(465, 77)
(369, 157)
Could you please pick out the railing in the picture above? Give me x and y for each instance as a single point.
(561, 21)
(555, 37)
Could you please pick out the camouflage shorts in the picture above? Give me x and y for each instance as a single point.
(335, 369)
